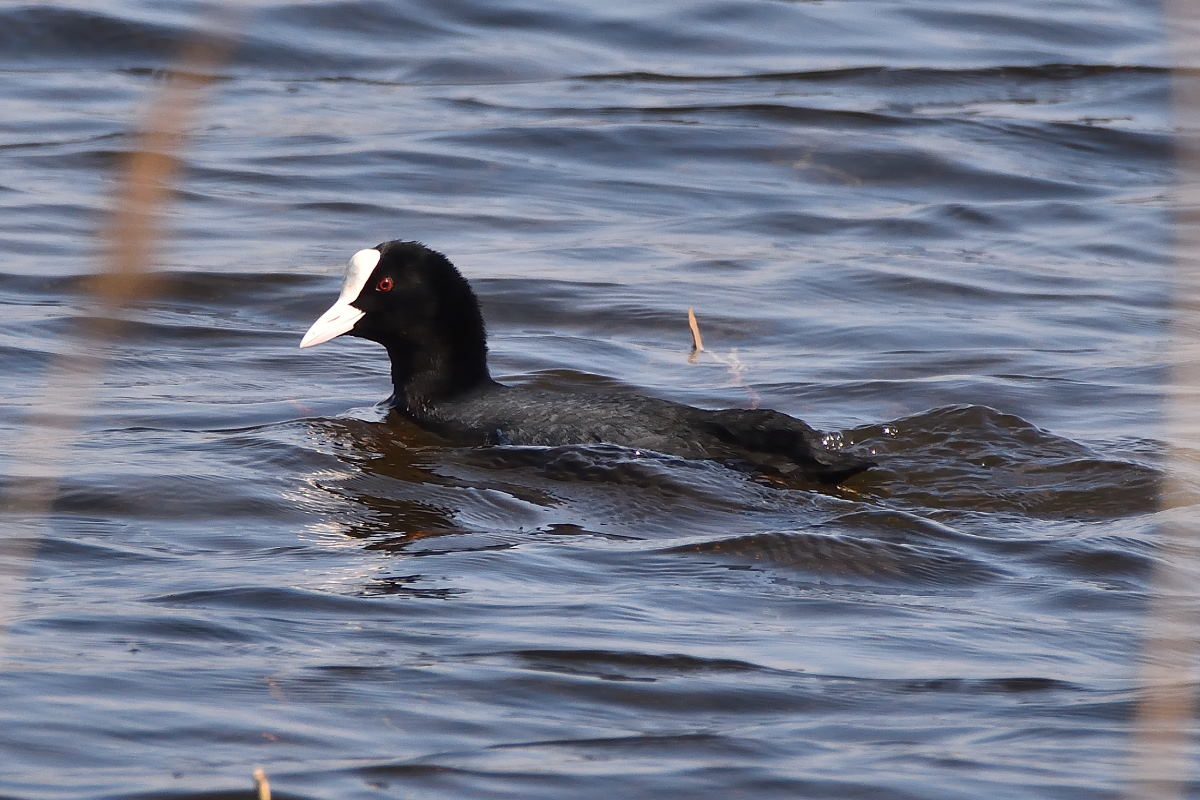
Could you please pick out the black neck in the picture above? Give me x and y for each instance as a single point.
(436, 373)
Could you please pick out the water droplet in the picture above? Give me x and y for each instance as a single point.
(833, 441)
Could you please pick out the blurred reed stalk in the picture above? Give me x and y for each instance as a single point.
(1162, 759)
(128, 242)
(261, 784)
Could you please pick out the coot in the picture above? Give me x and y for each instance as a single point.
(413, 301)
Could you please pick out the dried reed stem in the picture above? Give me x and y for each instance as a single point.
(129, 241)
(1162, 760)
(262, 784)
(737, 369)
(697, 342)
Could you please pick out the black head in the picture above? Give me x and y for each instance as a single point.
(413, 301)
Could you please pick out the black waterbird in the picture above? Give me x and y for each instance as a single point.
(415, 303)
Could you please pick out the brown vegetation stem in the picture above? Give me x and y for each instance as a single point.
(1162, 759)
(697, 342)
(129, 241)
(262, 784)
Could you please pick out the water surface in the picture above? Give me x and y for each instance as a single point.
(938, 231)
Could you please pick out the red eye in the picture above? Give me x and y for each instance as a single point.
(384, 285)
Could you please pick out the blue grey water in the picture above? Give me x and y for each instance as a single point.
(938, 230)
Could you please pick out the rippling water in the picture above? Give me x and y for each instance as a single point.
(938, 230)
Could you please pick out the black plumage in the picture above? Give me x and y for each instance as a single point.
(419, 307)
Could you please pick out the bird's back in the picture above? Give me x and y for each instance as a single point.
(757, 440)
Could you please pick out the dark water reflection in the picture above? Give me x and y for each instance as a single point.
(938, 231)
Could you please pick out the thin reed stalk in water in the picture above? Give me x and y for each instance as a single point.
(697, 342)
(737, 369)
